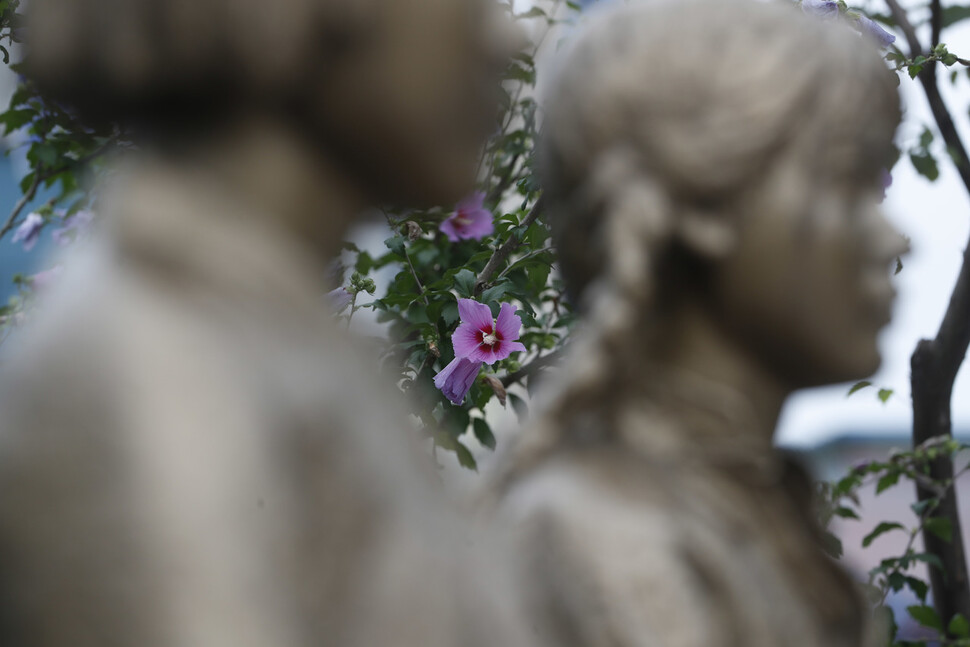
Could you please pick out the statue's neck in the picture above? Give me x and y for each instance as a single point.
(709, 382)
(266, 166)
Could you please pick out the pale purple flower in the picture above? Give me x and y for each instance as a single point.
(872, 29)
(43, 280)
(74, 225)
(821, 8)
(339, 298)
(457, 378)
(28, 233)
(483, 339)
(470, 220)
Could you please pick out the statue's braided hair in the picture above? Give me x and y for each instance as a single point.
(662, 108)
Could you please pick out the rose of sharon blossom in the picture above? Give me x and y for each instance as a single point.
(457, 378)
(28, 233)
(470, 220)
(74, 226)
(339, 299)
(479, 339)
(821, 8)
(873, 30)
(43, 280)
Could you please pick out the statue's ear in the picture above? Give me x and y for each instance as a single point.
(709, 234)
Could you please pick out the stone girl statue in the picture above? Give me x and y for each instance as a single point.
(190, 454)
(712, 171)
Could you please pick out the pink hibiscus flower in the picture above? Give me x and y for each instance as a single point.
(456, 379)
(470, 220)
(479, 339)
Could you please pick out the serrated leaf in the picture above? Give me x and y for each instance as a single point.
(942, 527)
(465, 282)
(926, 616)
(449, 312)
(495, 292)
(881, 529)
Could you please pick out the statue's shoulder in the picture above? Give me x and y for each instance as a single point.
(606, 554)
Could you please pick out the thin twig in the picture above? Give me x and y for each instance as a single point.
(504, 250)
(40, 178)
(26, 198)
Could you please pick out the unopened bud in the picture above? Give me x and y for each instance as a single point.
(497, 387)
(414, 230)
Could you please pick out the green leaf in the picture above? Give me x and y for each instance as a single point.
(884, 395)
(858, 386)
(958, 626)
(887, 482)
(918, 586)
(899, 265)
(831, 544)
(846, 513)
(519, 406)
(882, 528)
(483, 433)
(929, 558)
(925, 165)
(449, 312)
(395, 244)
(465, 283)
(926, 616)
(942, 527)
(953, 15)
(495, 292)
(465, 458)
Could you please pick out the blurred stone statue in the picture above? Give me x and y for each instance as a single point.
(712, 170)
(191, 453)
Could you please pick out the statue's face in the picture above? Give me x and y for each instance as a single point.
(809, 286)
(413, 105)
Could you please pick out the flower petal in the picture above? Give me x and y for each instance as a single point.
(471, 203)
(475, 313)
(508, 324)
(465, 340)
(873, 30)
(447, 226)
(456, 379)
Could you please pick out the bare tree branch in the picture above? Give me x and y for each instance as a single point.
(935, 363)
(506, 248)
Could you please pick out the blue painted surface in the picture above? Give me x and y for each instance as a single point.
(13, 259)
